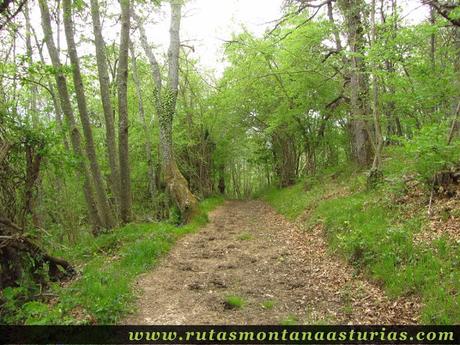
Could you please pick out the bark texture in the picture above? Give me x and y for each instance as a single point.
(455, 127)
(361, 150)
(285, 158)
(54, 98)
(166, 98)
(66, 107)
(122, 88)
(33, 89)
(104, 83)
(108, 219)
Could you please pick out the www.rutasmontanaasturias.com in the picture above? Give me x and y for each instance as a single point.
(291, 335)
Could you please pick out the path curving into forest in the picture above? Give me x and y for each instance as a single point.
(280, 272)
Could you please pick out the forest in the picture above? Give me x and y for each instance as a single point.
(139, 187)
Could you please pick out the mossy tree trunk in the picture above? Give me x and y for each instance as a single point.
(165, 103)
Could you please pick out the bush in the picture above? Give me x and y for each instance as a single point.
(430, 151)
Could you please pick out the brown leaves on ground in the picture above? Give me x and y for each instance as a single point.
(280, 272)
(443, 213)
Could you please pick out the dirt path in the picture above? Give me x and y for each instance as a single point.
(281, 273)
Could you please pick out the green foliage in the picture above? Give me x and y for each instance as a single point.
(268, 304)
(103, 291)
(430, 151)
(234, 302)
(245, 236)
(290, 320)
(455, 13)
(291, 201)
(376, 236)
(295, 200)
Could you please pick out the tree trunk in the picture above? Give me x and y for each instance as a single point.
(375, 111)
(107, 215)
(177, 184)
(33, 90)
(221, 183)
(154, 66)
(66, 107)
(456, 103)
(33, 179)
(361, 152)
(285, 157)
(104, 84)
(54, 98)
(394, 124)
(166, 99)
(205, 166)
(145, 126)
(33, 162)
(433, 39)
(122, 87)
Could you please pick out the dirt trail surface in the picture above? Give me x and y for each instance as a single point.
(281, 273)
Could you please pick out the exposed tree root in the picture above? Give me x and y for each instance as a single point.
(15, 247)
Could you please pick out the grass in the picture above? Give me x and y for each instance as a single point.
(245, 236)
(376, 236)
(290, 320)
(292, 201)
(103, 293)
(268, 304)
(234, 302)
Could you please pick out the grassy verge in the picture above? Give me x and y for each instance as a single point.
(109, 264)
(375, 234)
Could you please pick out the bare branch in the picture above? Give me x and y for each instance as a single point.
(4, 11)
(444, 9)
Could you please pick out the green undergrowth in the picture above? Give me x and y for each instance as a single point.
(108, 265)
(375, 234)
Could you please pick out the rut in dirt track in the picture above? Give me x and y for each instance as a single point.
(281, 273)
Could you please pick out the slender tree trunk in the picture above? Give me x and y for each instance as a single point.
(285, 158)
(207, 148)
(330, 14)
(361, 151)
(107, 215)
(177, 184)
(221, 183)
(145, 126)
(34, 190)
(154, 66)
(166, 99)
(456, 103)
(122, 87)
(394, 123)
(375, 111)
(60, 180)
(433, 39)
(66, 107)
(33, 109)
(104, 83)
(32, 180)
(375, 174)
(54, 98)
(454, 127)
